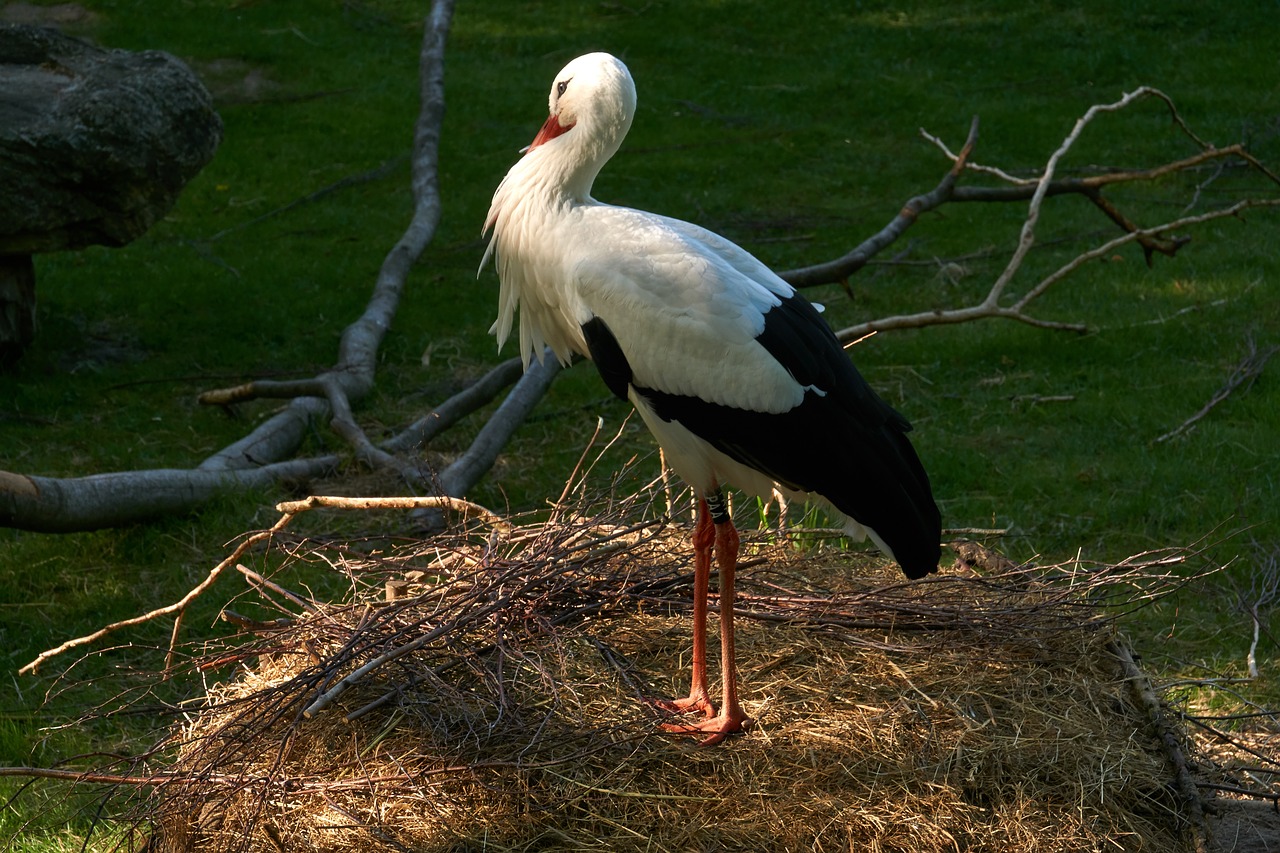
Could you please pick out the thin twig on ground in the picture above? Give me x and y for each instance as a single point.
(1248, 369)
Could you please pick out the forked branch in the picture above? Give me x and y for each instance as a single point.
(1153, 239)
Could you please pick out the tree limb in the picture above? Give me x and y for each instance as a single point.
(353, 376)
(1150, 703)
(67, 505)
(275, 439)
(176, 608)
(1151, 239)
(456, 407)
(843, 267)
(468, 468)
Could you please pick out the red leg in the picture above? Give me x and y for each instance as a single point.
(704, 536)
(731, 717)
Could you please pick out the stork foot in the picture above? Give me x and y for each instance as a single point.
(716, 728)
(694, 702)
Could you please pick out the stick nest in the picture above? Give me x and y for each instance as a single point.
(484, 689)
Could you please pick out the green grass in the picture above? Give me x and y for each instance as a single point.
(793, 130)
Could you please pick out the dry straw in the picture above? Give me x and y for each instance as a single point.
(484, 690)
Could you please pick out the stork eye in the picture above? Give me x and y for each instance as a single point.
(561, 86)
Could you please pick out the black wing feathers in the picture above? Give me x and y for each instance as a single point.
(842, 442)
(609, 358)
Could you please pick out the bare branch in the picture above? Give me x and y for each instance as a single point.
(1091, 188)
(1110, 246)
(1027, 236)
(456, 407)
(353, 376)
(275, 439)
(1248, 369)
(1152, 239)
(1150, 703)
(176, 608)
(363, 503)
(841, 268)
(459, 477)
(66, 505)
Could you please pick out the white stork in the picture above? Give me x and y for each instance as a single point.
(738, 377)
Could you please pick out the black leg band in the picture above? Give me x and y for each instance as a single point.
(718, 507)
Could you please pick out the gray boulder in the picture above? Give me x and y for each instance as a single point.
(95, 146)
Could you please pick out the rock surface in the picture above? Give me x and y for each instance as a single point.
(95, 146)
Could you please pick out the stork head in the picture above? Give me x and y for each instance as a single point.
(595, 98)
(592, 102)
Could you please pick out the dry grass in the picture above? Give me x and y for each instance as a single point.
(967, 712)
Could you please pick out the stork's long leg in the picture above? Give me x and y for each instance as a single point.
(699, 699)
(731, 717)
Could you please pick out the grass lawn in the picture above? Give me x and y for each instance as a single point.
(790, 128)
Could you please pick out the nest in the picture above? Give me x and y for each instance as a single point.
(485, 690)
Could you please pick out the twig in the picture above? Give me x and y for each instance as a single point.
(176, 607)
(325, 699)
(266, 583)
(411, 502)
(1252, 657)
(1226, 738)
(1248, 369)
(1234, 789)
(1150, 703)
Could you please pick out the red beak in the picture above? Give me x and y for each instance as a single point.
(551, 128)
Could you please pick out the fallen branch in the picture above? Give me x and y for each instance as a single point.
(176, 608)
(353, 375)
(66, 505)
(423, 430)
(1243, 374)
(840, 269)
(363, 503)
(1152, 239)
(1150, 703)
(468, 468)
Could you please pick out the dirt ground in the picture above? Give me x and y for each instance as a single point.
(1241, 826)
